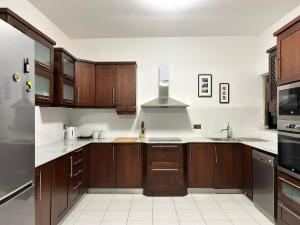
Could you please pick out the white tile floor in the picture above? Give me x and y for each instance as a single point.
(136, 209)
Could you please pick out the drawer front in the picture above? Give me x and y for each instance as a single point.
(165, 177)
(286, 215)
(165, 154)
(77, 154)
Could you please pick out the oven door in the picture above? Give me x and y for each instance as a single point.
(289, 153)
(289, 101)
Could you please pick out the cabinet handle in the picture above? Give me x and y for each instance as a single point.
(113, 154)
(79, 161)
(76, 174)
(164, 146)
(165, 169)
(40, 185)
(288, 182)
(43, 97)
(71, 166)
(290, 211)
(190, 150)
(78, 185)
(216, 154)
(113, 96)
(78, 150)
(139, 153)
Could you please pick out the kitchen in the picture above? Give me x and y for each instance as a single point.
(173, 124)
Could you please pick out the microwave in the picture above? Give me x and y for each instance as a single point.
(288, 97)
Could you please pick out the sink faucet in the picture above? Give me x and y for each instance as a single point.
(229, 131)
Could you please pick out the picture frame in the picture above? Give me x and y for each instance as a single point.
(224, 93)
(204, 85)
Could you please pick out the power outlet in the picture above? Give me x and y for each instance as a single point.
(197, 126)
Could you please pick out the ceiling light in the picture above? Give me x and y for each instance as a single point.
(169, 5)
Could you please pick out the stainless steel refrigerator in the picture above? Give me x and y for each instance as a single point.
(16, 127)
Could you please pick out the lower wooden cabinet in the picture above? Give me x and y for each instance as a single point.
(115, 165)
(165, 173)
(286, 215)
(247, 171)
(60, 190)
(43, 193)
(201, 166)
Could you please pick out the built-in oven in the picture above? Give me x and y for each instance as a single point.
(289, 148)
(288, 97)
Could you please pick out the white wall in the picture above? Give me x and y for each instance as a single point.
(228, 59)
(266, 40)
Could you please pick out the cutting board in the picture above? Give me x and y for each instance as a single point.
(125, 139)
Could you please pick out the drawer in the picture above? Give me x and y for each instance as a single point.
(167, 177)
(165, 153)
(77, 154)
(286, 215)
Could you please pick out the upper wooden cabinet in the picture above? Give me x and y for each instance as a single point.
(64, 71)
(200, 163)
(126, 88)
(288, 52)
(105, 85)
(85, 84)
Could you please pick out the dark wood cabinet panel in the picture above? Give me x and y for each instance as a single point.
(228, 166)
(85, 84)
(126, 88)
(129, 166)
(286, 215)
(288, 52)
(165, 170)
(247, 171)
(105, 85)
(102, 166)
(43, 193)
(200, 165)
(60, 187)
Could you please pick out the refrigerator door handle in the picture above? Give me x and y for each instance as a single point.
(14, 194)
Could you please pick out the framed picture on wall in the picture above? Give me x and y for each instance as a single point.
(224, 94)
(204, 85)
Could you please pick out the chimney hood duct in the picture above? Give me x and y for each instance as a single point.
(163, 100)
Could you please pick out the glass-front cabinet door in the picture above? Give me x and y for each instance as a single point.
(68, 66)
(43, 87)
(42, 55)
(68, 93)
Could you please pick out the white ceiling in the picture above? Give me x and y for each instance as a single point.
(138, 18)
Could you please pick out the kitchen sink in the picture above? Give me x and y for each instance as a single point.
(238, 139)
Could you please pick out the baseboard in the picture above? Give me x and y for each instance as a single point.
(115, 191)
(214, 191)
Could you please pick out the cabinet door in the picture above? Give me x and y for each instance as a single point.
(43, 183)
(85, 84)
(60, 186)
(289, 56)
(68, 95)
(43, 87)
(105, 85)
(68, 64)
(129, 166)
(247, 171)
(126, 85)
(286, 215)
(201, 165)
(102, 166)
(228, 166)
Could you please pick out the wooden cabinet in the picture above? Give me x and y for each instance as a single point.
(43, 193)
(286, 215)
(129, 166)
(61, 175)
(126, 88)
(228, 166)
(64, 71)
(102, 166)
(247, 171)
(105, 85)
(200, 165)
(288, 52)
(165, 173)
(85, 84)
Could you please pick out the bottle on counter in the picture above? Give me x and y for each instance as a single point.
(142, 134)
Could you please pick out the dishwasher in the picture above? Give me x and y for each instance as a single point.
(264, 183)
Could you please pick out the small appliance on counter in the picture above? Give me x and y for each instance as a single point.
(98, 134)
(71, 133)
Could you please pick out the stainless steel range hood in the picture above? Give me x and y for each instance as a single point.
(163, 100)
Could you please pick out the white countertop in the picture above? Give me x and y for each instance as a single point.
(49, 152)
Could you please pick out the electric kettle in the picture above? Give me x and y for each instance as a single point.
(71, 133)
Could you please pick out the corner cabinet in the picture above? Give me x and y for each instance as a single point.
(64, 71)
(288, 52)
(85, 84)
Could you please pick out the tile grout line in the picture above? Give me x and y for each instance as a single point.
(81, 211)
(198, 209)
(176, 210)
(106, 209)
(223, 210)
(129, 209)
(152, 211)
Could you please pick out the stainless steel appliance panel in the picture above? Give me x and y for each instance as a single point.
(16, 112)
(264, 182)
